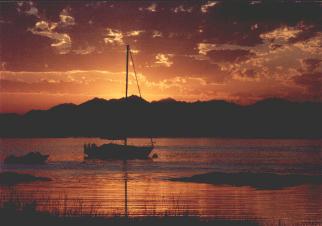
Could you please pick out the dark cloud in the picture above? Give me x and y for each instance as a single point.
(307, 33)
(230, 55)
(47, 87)
(187, 66)
(182, 24)
(272, 35)
(42, 86)
(234, 22)
(275, 46)
(312, 83)
(312, 64)
(248, 74)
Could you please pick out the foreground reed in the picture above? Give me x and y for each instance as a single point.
(17, 210)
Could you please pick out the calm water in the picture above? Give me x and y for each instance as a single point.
(100, 185)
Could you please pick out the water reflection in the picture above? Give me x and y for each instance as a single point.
(137, 188)
(125, 187)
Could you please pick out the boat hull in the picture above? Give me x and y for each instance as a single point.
(116, 151)
(30, 158)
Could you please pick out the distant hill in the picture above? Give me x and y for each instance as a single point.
(168, 118)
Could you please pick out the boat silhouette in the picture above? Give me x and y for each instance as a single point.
(120, 151)
(30, 158)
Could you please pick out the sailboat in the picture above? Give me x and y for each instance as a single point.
(119, 151)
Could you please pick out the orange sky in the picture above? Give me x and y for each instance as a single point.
(57, 52)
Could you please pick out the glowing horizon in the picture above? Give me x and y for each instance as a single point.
(54, 53)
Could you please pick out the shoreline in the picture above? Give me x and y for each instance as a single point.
(260, 181)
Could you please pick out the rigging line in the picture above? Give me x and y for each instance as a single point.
(137, 83)
(136, 78)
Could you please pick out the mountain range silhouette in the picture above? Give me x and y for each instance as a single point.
(136, 117)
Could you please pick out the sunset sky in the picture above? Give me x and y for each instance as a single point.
(241, 51)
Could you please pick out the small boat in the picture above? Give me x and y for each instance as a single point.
(120, 151)
(30, 158)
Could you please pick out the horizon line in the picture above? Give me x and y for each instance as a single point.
(172, 99)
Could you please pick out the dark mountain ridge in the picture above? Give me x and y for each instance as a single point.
(136, 117)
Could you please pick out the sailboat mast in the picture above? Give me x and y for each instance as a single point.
(127, 68)
(127, 79)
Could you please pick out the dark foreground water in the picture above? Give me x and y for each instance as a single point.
(99, 186)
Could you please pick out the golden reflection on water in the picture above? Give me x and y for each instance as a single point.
(161, 197)
(101, 185)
